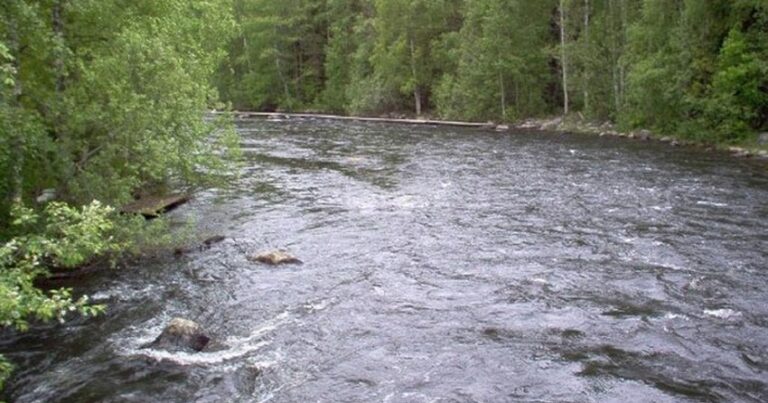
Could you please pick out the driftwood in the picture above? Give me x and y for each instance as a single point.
(153, 206)
(288, 116)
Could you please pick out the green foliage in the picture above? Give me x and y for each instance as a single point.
(678, 67)
(502, 62)
(113, 99)
(99, 100)
(698, 69)
(346, 55)
(61, 236)
(5, 371)
(737, 90)
(276, 58)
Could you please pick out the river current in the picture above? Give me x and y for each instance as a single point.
(440, 265)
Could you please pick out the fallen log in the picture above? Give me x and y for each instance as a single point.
(153, 206)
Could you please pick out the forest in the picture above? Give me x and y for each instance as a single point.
(685, 67)
(101, 100)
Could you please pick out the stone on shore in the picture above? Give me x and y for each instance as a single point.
(644, 135)
(740, 152)
(552, 124)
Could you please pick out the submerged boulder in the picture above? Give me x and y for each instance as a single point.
(206, 244)
(181, 334)
(274, 258)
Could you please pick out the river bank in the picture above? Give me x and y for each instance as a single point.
(568, 125)
(558, 124)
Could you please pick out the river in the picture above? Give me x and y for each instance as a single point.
(440, 265)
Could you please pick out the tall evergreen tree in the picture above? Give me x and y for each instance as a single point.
(502, 62)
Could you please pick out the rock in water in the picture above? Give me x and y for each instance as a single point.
(181, 334)
(214, 240)
(274, 258)
(46, 196)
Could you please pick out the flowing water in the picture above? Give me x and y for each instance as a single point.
(440, 265)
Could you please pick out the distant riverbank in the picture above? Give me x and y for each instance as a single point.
(567, 125)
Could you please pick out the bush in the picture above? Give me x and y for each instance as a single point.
(60, 236)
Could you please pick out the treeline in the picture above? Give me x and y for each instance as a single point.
(688, 67)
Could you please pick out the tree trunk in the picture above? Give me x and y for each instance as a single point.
(503, 98)
(416, 90)
(57, 18)
(563, 59)
(17, 138)
(280, 75)
(587, 74)
(622, 70)
(614, 43)
(246, 53)
(59, 53)
(299, 72)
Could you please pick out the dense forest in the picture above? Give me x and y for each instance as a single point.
(104, 99)
(684, 67)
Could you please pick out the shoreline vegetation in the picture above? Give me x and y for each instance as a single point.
(571, 124)
(101, 103)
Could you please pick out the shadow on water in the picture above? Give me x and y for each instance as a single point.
(439, 265)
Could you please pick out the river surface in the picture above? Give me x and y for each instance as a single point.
(440, 265)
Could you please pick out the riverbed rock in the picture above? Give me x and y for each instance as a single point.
(246, 378)
(180, 335)
(208, 242)
(644, 135)
(502, 128)
(274, 258)
(529, 125)
(551, 124)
